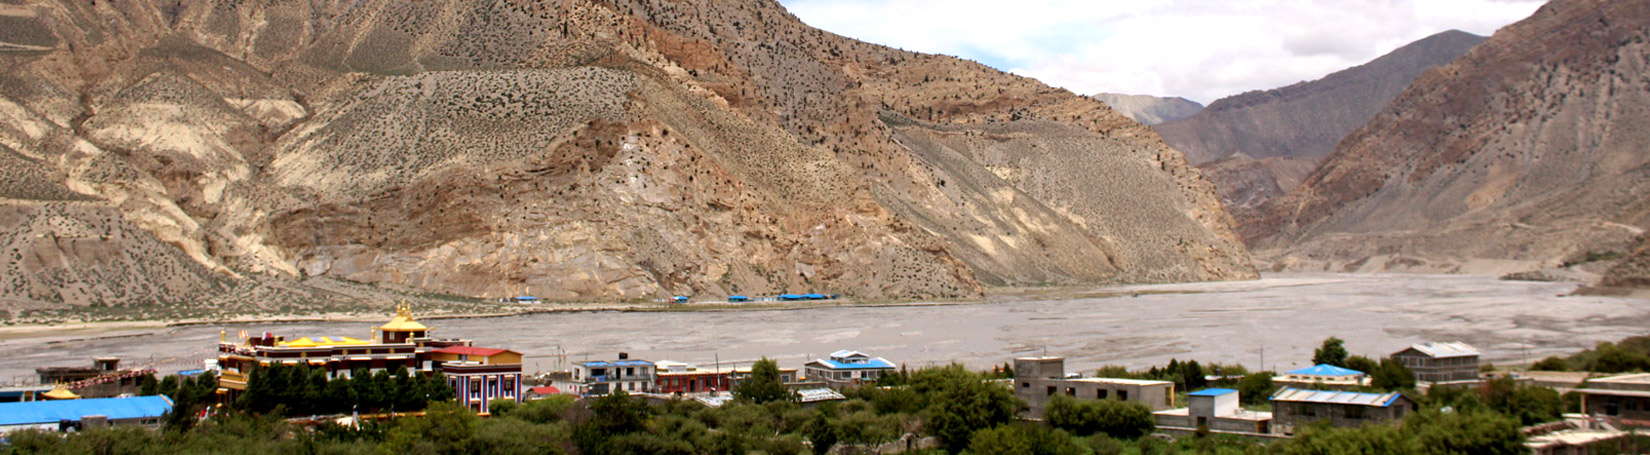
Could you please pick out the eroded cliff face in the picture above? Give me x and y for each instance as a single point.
(584, 150)
(1525, 151)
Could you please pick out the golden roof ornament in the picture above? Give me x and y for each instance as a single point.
(60, 392)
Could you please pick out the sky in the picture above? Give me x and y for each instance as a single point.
(1199, 49)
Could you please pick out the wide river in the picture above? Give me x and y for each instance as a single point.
(1285, 316)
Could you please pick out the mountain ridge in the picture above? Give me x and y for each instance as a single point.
(588, 150)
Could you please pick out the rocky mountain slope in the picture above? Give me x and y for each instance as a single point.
(1526, 150)
(1307, 119)
(1257, 145)
(575, 150)
(1150, 110)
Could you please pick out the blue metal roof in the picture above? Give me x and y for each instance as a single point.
(1211, 392)
(1326, 370)
(37, 412)
(789, 297)
(871, 364)
(813, 296)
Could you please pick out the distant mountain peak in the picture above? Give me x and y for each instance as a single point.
(1150, 110)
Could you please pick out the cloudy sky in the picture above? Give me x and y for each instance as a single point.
(1199, 49)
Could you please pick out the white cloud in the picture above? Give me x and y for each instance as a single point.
(1199, 49)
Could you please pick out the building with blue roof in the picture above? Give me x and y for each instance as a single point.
(847, 369)
(1216, 410)
(1324, 376)
(46, 415)
(601, 377)
(1294, 408)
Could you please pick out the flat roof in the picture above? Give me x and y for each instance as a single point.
(1616, 392)
(1443, 350)
(1639, 378)
(1211, 392)
(1121, 381)
(1294, 395)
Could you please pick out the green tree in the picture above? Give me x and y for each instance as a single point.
(961, 402)
(763, 385)
(446, 428)
(1551, 363)
(1256, 387)
(1322, 439)
(1362, 364)
(1465, 432)
(822, 433)
(1392, 375)
(1023, 439)
(1114, 418)
(1332, 352)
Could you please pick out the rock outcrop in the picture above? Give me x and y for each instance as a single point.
(1525, 151)
(575, 150)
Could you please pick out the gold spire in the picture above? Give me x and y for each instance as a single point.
(403, 321)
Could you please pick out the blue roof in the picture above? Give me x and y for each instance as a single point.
(813, 296)
(1211, 392)
(872, 364)
(1326, 370)
(790, 296)
(738, 297)
(526, 297)
(37, 412)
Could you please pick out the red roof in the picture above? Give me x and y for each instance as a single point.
(545, 390)
(470, 350)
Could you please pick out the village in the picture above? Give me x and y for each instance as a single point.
(480, 378)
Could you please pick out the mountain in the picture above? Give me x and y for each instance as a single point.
(1307, 119)
(1525, 151)
(575, 150)
(1150, 110)
(1246, 183)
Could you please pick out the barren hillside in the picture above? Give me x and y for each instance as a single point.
(1527, 150)
(581, 150)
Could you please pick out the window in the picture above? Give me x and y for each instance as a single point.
(1123, 395)
(1308, 411)
(1071, 391)
(1355, 413)
(1102, 393)
(1051, 391)
(1025, 385)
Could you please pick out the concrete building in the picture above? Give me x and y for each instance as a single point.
(1440, 362)
(1037, 379)
(1218, 410)
(1293, 408)
(102, 379)
(480, 375)
(1618, 397)
(87, 413)
(604, 377)
(684, 378)
(847, 369)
